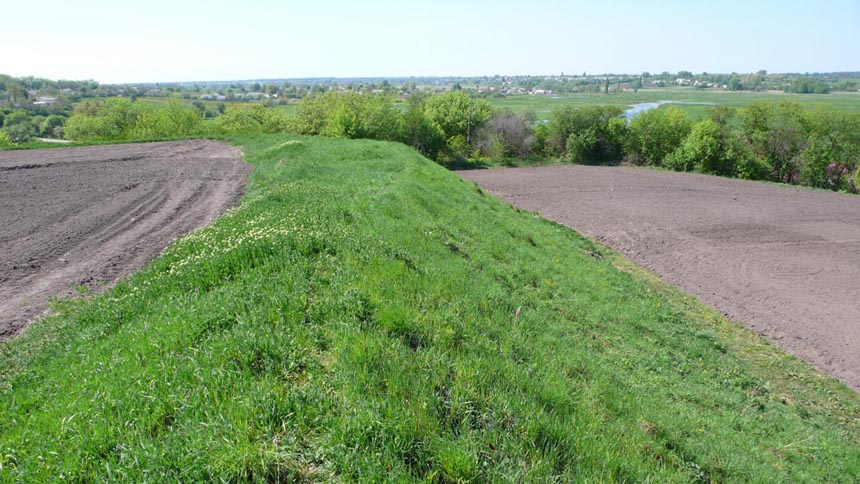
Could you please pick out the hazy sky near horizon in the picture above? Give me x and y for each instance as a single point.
(163, 41)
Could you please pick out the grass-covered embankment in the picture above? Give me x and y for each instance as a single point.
(366, 315)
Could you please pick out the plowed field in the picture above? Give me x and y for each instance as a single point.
(72, 217)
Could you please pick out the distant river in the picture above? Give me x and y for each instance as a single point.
(637, 109)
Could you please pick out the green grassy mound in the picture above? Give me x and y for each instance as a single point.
(366, 315)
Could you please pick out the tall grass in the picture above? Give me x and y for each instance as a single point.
(367, 316)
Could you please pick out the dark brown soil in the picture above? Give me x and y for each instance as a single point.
(783, 260)
(90, 216)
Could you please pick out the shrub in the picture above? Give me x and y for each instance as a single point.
(580, 144)
(243, 118)
(350, 115)
(505, 135)
(541, 144)
(832, 151)
(818, 168)
(5, 141)
(855, 180)
(703, 149)
(419, 131)
(459, 118)
(20, 133)
(87, 128)
(173, 119)
(17, 117)
(113, 119)
(121, 119)
(778, 134)
(587, 134)
(50, 124)
(654, 134)
(455, 113)
(748, 165)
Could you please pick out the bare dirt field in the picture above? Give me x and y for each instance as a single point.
(90, 216)
(785, 261)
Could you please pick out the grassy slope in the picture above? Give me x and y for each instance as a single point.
(366, 315)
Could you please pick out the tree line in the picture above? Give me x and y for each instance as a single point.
(765, 141)
(780, 142)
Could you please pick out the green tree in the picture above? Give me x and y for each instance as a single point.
(19, 127)
(20, 133)
(17, 117)
(200, 107)
(777, 134)
(111, 120)
(735, 83)
(419, 131)
(808, 85)
(832, 153)
(458, 117)
(704, 149)
(590, 131)
(654, 134)
(249, 118)
(722, 115)
(350, 115)
(52, 125)
(788, 134)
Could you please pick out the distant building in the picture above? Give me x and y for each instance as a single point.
(44, 101)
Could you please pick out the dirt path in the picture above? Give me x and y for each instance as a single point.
(783, 260)
(90, 216)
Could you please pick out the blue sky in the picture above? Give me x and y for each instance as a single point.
(161, 40)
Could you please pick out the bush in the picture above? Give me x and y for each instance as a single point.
(17, 117)
(111, 120)
(855, 180)
(20, 133)
(455, 113)
(580, 145)
(121, 119)
(678, 161)
(541, 144)
(50, 125)
(703, 149)
(459, 118)
(505, 135)
(173, 119)
(36, 122)
(832, 151)
(748, 165)
(87, 128)
(5, 141)
(350, 115)
(777, 134)
(250, 118)
(654, 134)
(419, 131)
(587, 134)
